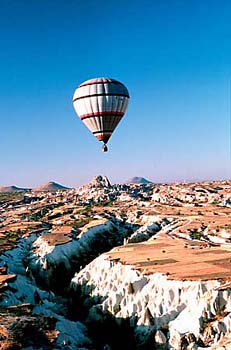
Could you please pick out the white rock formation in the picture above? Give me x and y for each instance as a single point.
(156, 303)
(146, 231)
(47, 258)
(71, 335)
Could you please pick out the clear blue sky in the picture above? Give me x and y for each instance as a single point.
(173, 55)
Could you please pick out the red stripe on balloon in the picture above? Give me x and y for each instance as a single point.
(103, 136)
(101, 114)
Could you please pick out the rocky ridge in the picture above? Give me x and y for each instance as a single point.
(161, 311)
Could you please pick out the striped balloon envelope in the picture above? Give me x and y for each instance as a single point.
(101, 103)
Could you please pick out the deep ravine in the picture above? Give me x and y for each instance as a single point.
(47, 291)
(98, 303)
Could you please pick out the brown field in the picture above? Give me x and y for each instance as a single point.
(186, 260)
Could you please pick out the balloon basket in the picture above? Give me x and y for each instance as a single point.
(104, 148)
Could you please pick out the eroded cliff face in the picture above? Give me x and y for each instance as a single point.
(109, 301)
(166, 313)
(32, 317)
(53, 263)
(109, 296)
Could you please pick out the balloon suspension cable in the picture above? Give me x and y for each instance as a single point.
(104, 148)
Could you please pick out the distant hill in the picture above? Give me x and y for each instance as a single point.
(50, 186)
(138, 180)
(11, 189)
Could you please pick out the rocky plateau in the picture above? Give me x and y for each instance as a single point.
(126, 266)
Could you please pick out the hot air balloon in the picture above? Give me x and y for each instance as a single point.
(101, 103)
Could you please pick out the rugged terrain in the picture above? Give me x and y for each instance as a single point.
(132, 266)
